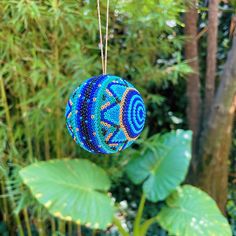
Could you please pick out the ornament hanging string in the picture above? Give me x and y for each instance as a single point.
(86, 119)
(104, 60)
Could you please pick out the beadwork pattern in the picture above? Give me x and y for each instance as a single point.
(105, 114)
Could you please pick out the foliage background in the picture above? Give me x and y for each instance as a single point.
(47, 48)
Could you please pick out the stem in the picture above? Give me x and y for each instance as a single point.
(40, 228)
(27, 222)
(58, 136)
(139, 216)
(37, 147)
(46, 144)
(16, 216)
(79, 230)
(24, 110)
(56, 73)
(70, 228)
(94, 232)
(12, 145)
(62, 227)
(26, 218)
(40, 224)
(145, 226)
(19, 226)
(121, 229)
(53, 225)
(4, 202)
(7, 113)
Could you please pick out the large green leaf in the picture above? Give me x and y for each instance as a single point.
(163, 165)
(71, 190)
(190, 211)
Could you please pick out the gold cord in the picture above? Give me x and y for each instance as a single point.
(104, 61)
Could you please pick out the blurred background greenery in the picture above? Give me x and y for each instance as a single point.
(48, 47)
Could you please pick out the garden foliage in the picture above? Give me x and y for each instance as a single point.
(47, 48)
(80, 194)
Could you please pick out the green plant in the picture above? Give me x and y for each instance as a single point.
(77, 190)
(49, 47)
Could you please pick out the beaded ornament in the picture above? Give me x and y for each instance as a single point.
(105, 114)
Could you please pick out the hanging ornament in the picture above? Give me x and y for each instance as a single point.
(105, 114)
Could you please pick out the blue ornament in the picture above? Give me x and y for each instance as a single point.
(105, 114)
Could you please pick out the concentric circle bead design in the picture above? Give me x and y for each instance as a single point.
(105, 114)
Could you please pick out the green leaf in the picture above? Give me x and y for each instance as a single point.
(72, 190)
(190, 211)
(163, 165)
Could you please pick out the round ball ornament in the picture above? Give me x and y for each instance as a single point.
(105, 114)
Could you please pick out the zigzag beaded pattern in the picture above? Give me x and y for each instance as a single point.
(105, 114)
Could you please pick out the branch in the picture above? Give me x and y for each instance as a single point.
(201, 33)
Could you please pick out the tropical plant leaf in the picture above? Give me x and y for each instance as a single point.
(163, 166)
(190, 211)
(74, 190)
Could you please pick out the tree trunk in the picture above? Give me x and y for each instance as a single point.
(211, 56)
(216, 137)
(193, 82)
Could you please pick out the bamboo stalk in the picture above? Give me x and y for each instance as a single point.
(40, 224)
(37, 148)
(24, 111)
(46, 144)
(7, 113)
(94, 232)
(12, 145)
(56, 74)
(62, 227)
(79, 230)
(27, 222)
(53, 227)
(70, 228)
(4, 202)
